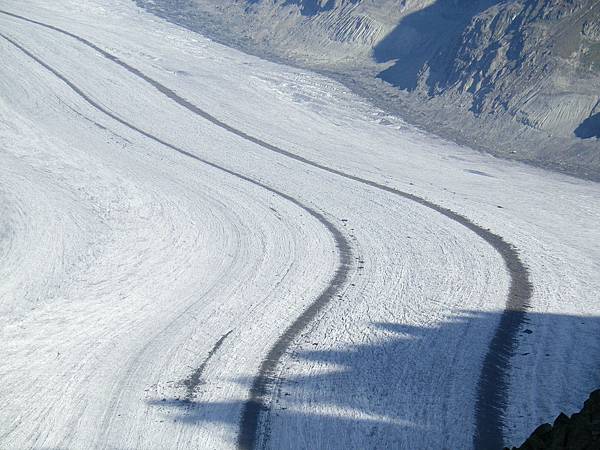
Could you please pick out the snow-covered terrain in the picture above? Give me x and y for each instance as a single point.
(193, 239)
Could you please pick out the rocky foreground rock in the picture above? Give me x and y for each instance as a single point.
(581, 431)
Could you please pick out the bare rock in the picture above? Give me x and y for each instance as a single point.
(579, 432)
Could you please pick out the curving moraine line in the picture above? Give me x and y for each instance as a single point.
(195, 379)
(493, 380)
(261, 387)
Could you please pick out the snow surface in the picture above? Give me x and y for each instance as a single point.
(123, 263)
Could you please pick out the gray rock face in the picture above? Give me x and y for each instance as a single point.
(531, 60)
(519, 78)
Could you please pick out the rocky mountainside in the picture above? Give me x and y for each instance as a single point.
(538, 61)
(518, 78)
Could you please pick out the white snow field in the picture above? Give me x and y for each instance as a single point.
(200, 249)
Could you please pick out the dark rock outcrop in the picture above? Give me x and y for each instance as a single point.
(581, 431)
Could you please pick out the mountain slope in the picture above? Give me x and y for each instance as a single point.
(517, 78)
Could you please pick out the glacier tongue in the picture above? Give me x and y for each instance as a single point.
(151, 256)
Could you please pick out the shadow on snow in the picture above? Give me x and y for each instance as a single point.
(378, 395)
